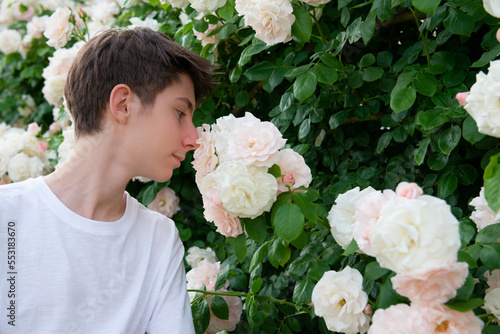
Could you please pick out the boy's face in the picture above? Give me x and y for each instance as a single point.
(164, 132)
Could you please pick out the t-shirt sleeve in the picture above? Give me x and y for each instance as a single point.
(172, 313)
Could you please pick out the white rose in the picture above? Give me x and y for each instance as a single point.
(341, 215)
(482, 102)
(148, 23)
(36, 26)
(293, 164)
(176, 3)
(67, 146)
(205, 273)
(10, 41)
(245, 191)
(235, 307)
(339, 298)
(415, 235)
(272, 20)
(196, 255)
(315, 3)
(13, 141)
(493, 279)
(492, 7)
(255, 144)
(58, 28)
(165, 202)
(4, 161)
(206, 6)
(52, 5)
(482, 214)
(55, 74)
(22, 167)
(492, 303)
(103, 12)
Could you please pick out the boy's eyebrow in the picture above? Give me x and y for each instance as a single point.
(187, 101)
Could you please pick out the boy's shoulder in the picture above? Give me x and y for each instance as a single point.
(12, 190)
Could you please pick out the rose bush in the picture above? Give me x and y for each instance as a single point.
(363, 92)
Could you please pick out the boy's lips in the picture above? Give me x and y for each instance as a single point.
(179, 159)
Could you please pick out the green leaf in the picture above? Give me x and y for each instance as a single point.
(258, 256)
(368, 27)
(200, 25)
(487, 57)
(275, 171)
(239, 246)
(338, 119)
(299, 266)
(420, 153)
(437, 161)
(425, 84)
(351, 248)
(307, 207)
(226, 11)
(426, 6)
(374, 271)
(226, 31)
(431, 119)
(488, 234)
(467, 174)
(303, 291)
(367, 60)
(317, 269)
(449, 139)
(383, 9)
(403, 99)
(470, 132)
(304, 129)
(256, 228)
(492, 183)
(465, 305)
(235, 74)
(260, 71)
(383, 142)
(149, 194)
(387, 296)
(201, 315)
(325, 74)
(332, 62)
(447, 184)
(277, 250)
(490, 255)
(304, 86)
(288, 222)
(222, 277)
(458, 23)
(465, 257)
(219, 307)
(372, 74)
(302, 27)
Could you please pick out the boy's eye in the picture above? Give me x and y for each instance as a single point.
(180, 113)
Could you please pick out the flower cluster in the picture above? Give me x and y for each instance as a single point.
(22, 154)
(165, 202)
(417, 237)
(232, 164)
(205, 269)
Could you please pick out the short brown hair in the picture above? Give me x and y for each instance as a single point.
(145, 60)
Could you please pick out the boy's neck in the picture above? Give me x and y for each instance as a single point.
(91, 182)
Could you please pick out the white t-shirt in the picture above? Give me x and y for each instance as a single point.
(62, 273)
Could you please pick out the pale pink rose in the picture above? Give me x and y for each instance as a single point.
(165, 202)
(207, 6)
(235, 309)
(36, 26)
(315, 3)
(398, 319)
(202, 36)
(41, 146)
(415, 235)
(434, 286)
(492, 303)
(26, 16)
(493, 279)
(366, 214)
(462, 98)
(294, 171)
(5, 180)
(492, 7)
(408, 190)
(58, 28)
(226, 225)
(272, 20)
(55, 127)
(205, 273)
(34, 129)
(341, 215)
(255, 144)
(195, 255)
(205, 160)
(441, 319)
(483, 215)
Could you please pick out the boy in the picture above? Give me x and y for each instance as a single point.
(79, 254)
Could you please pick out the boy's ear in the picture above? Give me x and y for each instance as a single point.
(120, 101)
